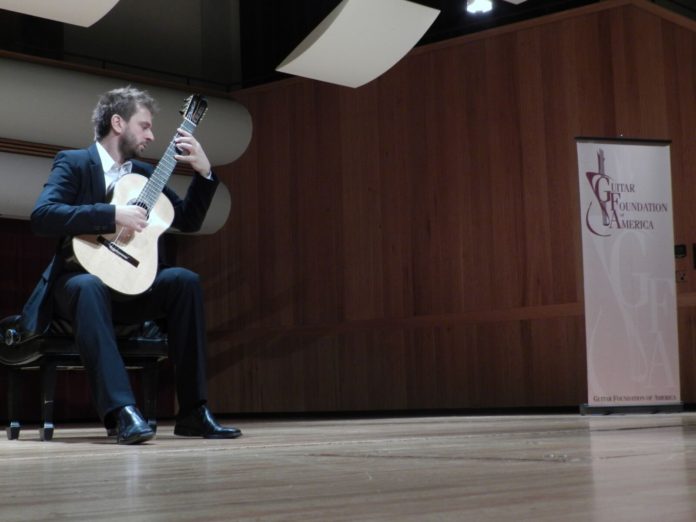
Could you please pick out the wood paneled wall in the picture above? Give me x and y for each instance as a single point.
(415, 243)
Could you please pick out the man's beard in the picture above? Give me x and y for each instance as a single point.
(128, 146)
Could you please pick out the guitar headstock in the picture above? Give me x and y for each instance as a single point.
(194, 108)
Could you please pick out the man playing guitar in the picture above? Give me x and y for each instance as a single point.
(74, 203)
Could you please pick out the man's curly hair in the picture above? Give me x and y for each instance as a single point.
(123, 101)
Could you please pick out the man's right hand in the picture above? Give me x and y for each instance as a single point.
(131, 217)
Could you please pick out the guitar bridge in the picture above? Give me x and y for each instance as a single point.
(115, 249)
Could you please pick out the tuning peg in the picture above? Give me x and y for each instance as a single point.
(186, 105)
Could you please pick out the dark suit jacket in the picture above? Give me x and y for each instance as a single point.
(73, 202)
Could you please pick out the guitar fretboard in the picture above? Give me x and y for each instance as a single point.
(163, 171)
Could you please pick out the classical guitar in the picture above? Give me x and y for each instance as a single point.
(129, 266)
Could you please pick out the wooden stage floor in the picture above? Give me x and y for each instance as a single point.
(478, 468)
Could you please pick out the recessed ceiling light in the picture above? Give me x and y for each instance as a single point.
(479, 6)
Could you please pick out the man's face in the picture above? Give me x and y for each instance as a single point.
(137, 134)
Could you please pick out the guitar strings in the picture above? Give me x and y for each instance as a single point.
(153, 187)
(158, 180)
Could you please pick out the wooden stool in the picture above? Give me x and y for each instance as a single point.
(143, 346)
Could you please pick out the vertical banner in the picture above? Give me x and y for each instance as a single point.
(629, 273)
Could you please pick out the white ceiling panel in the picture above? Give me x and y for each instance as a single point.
(77, 12)
(359, 40)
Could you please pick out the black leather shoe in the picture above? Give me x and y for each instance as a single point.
(201, 423)
(131, 427)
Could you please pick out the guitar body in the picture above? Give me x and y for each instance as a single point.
(127, 266)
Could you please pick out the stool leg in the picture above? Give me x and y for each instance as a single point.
(48, 387)
(14, 427)
(150, 371)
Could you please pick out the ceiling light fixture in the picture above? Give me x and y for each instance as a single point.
(479, 6)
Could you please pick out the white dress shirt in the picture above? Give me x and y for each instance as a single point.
(112, 170)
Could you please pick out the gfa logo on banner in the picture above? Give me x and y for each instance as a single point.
(613, 209)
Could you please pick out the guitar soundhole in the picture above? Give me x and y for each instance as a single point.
(140, 204)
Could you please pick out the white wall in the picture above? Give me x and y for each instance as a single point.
(22, 178)
(54, 106)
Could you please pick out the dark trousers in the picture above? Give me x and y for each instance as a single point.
(174, 296)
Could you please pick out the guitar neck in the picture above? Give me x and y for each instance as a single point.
(163, 171)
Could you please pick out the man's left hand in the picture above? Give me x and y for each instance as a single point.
(191, 152)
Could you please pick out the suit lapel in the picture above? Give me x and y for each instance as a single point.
(96, 175)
